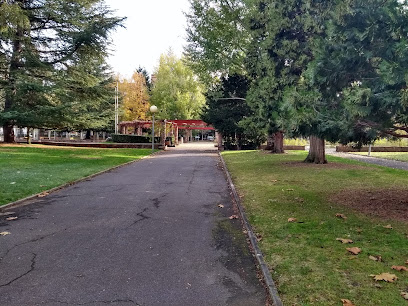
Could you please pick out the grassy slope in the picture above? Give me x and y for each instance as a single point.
(26, 170)
(309, 265)
(402, 156)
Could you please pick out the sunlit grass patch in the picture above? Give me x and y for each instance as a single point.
(27, 170)
(308, 264)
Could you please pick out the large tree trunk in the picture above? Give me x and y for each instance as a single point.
(8, 133)
(275, 143)
(317, 152)
(28, 136)
(219, 141)
(88, 134)
(10, 92)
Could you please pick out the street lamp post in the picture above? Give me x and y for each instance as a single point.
(117, 108)
(153, 110)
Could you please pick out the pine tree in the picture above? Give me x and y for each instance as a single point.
(355, 88)
(40, 42)
(282, 33)
(225, 109)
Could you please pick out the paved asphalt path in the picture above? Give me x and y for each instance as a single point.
(374, 160)
(150, 233)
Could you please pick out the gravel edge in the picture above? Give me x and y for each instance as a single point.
(271, 287)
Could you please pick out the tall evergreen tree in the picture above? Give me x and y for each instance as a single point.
(225, 109)
(355, 88)
(280, 52)
(148, 81)
(41, 40)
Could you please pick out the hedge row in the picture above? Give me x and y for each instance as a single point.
(120, 138)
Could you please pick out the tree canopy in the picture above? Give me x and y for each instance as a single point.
(217, 38)
(176, 91)
(45, 43)
(135, 97)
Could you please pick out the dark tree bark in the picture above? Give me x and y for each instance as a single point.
(28, 135)
(219, 141)
(88, 134)
(317, 152)
(275, 143)
(8, 130)
(8, 133)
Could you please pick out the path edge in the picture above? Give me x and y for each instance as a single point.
(49, 191)
(272, 290)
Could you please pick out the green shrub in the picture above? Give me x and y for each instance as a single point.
(120, 138)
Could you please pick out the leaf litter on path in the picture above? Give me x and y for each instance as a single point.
(43, 194)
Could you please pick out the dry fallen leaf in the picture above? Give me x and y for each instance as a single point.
(274, 181)
(290, 189)
(233, 217)
(4, 233)
(399, 268)
(341, 216)
(43, 194)
(388, 226)
(404, 295)
(347, 302)
(375, 258)
(221, 206)
(292, 220)
(345, 241)
(387, 277)
(354, 250)
(11, 218)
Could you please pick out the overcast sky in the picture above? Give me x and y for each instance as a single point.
(152, 27)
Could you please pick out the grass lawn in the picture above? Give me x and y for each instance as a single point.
(402, 156)
(309, 266)
(27, 170)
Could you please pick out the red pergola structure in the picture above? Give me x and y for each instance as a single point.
(192, 124)
(175, 126)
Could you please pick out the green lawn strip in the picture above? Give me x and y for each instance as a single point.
(401, 156)
(309, 265)
(29, 170)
